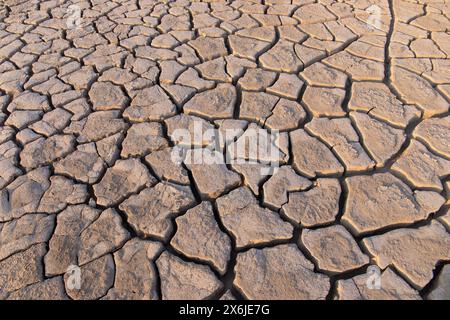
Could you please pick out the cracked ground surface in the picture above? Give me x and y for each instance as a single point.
(87, 124)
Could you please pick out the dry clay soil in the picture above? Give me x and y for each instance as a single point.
(92, 94)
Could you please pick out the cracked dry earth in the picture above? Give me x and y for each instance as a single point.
(87, 122)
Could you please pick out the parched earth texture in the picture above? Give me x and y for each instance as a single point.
(89, 107)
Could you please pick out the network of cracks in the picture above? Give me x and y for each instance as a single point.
(93, 93)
